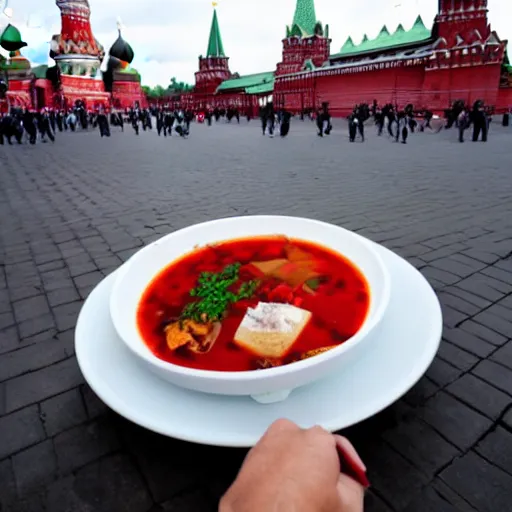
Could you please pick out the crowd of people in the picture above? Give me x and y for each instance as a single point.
(398, 123)
(21, 124)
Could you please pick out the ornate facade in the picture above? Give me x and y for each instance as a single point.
(76, 76)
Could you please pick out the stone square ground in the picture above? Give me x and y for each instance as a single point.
(72, 212)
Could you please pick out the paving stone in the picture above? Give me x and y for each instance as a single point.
(83, 444)
(500, 310)
(63, 296)
(452, 317)
(496, 374)
(24, 292)
(496, 447)
(45, 383)
(384, 466)
(458, 304)
(153, 452)
(483, 256)
(443, 252)
(194, 501)
(481, 396)
(453, 267)
(469, 342)
(449, 495)
(67, 315)
(7, 484)
(484, 332)
(95, 407)
(87, 280)
(63, 412)
(470, 297)
(442, 373)
(454, 420)
(457, 357)
(446, 278)
(499, 274)
(495, 323)
(485, 486)
(468, 261)
(507, 419)
(52, 265)
(372, 503)
(484, 286)
(504, 355)
(111, 484)
(35, 467)
(6, 320)
(20, 430)
(9, 339)
(430, 501)
(31, 358)
(421, 392)
(421, 445)
(36, 325)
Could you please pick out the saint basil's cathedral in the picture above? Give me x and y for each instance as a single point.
(460, 58)
(78, 57)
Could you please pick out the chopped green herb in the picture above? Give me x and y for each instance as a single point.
(213, 292)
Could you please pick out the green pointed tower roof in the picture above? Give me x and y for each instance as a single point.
(215, 47)
(305, 16)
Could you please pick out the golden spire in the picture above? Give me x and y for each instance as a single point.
(215, 4)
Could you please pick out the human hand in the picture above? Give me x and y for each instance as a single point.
(296, 470)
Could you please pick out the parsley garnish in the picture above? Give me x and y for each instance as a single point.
(214, 294)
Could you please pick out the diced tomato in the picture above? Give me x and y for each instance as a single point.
(281, 293)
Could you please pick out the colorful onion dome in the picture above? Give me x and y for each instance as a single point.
(10, 40)
(122, 50)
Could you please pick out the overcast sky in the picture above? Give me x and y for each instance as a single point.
(168, 35)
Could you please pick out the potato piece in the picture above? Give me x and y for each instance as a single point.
(268, 267)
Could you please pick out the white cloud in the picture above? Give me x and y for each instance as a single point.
(168, 35)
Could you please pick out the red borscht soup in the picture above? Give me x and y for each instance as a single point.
(252, 304)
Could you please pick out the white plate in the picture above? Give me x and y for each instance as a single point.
(403, 347)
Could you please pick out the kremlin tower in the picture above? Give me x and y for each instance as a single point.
(307, 43)
(214, 67)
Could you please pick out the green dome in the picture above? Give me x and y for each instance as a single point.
(11, 39)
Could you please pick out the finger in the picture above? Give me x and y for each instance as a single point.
(350, 493)
(348, 450)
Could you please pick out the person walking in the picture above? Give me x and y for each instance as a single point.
(480, 121)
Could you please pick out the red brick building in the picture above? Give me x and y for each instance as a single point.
(460, 58)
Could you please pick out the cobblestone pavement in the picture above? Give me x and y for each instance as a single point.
(73, 212)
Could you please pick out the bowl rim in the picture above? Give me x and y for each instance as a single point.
(252, 375)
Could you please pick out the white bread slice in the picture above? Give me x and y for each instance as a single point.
(270, 329)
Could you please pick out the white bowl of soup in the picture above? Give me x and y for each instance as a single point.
(254, 306)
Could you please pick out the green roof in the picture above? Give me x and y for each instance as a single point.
(215, 47)
(385, 40)
(305, 17)
(261, 89)
(247, 81)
